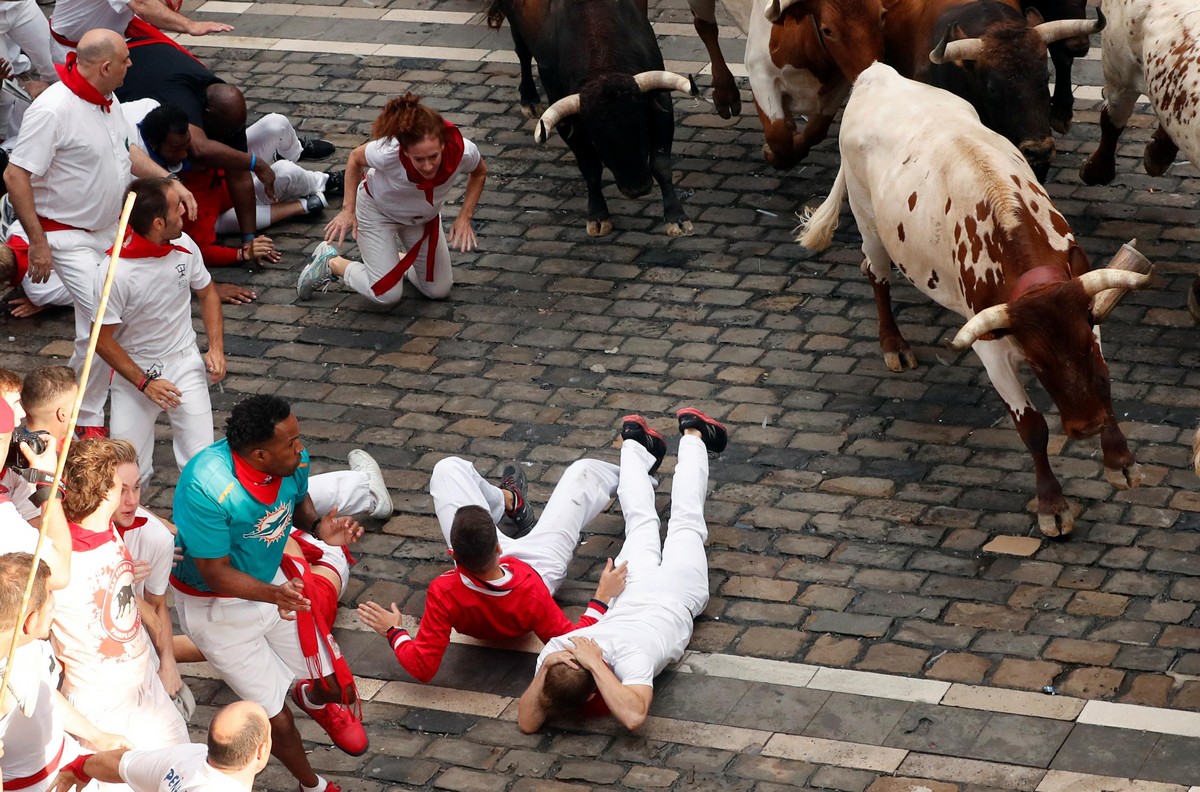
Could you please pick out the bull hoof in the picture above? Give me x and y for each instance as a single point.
(727, 107)
(898, 361)
(599, 228)
(531, 111)
(1056, 525)
(1124, 478)
(1194, 300)
(679, 229)
(1094, 172)
(1060, 121)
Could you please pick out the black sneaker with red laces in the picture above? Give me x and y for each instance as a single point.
(512, 478)
(633, 427)
(713, 434)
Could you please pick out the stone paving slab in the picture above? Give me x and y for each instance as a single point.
(848, 516)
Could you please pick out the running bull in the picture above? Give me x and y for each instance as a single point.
(956, 208)
(601, 69)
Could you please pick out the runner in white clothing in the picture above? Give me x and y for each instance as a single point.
(98, 632)
(410, 166)
(239, 747)
(650, 624)
(66, 180)
(36, 722)
(73, 18)
(147, 335)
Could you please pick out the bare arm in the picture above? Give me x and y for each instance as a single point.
(160, 391)
(214, 330)
(163, 644)
(158, 14)
(629, 704)
(222, 578)
(78, 726)
(20, 194)
(346, 221)
(58, 552)
(462, 235)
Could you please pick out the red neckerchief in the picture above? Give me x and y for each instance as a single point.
(83, 540)
(314, 633)
(70, 76)
(137, 246)
(452, 154)
(264, 488)
(138, 522)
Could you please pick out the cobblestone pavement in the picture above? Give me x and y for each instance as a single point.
(848, 515)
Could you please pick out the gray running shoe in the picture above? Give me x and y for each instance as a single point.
(521, 514)
(316, 274)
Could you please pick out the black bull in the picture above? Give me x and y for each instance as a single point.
(597, 60)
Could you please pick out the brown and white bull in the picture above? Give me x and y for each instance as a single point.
(1150, 47)
(956, 208)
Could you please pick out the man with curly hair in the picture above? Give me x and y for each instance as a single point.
(235, 507)
(109, 672)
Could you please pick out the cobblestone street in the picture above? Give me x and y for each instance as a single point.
(848, 517)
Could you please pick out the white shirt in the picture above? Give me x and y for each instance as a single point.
(78, 156)
(33, 731)
(638, 639)
(151, 299)
(149, 540)
(177, 768)
(73, 18)
(396, 196)
(14, 487)
(16, 534)
(97, 631)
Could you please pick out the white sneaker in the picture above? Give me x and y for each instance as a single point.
(363, 462)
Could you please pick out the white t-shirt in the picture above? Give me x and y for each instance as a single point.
(73, 18)
(638, 639)
(151, 299)
(16, 534)
(149, 540)
(396, 196)
(97, 631)
(178, 768)
(32, 731)
(78, 155)
(14, 487)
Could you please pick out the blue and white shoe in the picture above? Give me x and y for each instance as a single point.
(316, 274)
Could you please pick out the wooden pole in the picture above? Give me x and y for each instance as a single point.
(62, 454)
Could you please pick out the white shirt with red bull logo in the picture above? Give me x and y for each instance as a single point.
(97, 631)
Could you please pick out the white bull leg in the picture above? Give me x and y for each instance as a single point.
(877, 266)
(1002, 361)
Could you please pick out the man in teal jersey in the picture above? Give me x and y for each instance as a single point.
(235, 505)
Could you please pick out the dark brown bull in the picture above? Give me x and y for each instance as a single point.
(1062, 54)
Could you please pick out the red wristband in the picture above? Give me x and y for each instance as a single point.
(76, 767)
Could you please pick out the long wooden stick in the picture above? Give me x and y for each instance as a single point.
(66, 446)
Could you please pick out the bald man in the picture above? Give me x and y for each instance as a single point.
(66, 180)
(239, 746)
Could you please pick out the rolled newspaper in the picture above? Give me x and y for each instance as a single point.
(1127, 258)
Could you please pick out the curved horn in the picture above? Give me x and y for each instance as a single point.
(567, 106)
(963, 49)
(665, 80)
(987, 320)
(1098, 280)
(773, 11)
(1069, 28)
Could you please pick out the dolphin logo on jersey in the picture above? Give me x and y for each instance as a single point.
(273, 526)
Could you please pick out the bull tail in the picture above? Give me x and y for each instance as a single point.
(495, 15)
(817, 225)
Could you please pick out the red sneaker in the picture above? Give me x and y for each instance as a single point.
(339, 723)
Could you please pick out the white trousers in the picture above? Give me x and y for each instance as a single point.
(677, 570)
(348, 490)
(382, 242)
(585, 489)
(255, 651)
(24, 24)
(133, 415)
(76, 256)
(52, 292)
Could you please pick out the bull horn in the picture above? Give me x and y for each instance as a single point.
(963, 49)
(567, 106)
(665, 80)
(774, 11)
(1069, 28)
(986, 321)
(1097, 281)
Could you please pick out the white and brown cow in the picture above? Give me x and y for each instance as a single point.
(958, 211)
(1150, 47)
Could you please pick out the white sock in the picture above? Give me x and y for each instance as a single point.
(321, 784)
